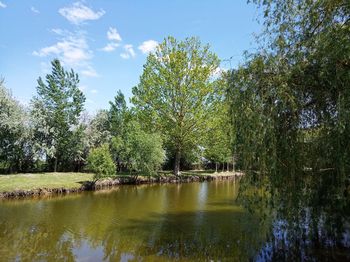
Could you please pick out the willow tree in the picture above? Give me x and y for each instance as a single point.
(175, 94)
(290, 102)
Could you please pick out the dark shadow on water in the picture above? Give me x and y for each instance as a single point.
(224, 235)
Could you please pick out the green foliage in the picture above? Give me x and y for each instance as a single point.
(137, 150)
(291, 102)
(117, 114)
(15, 136)
(55, 113)
(98, 130)
(146, 152)
(100, 162)
(175, 94)
(218, 140)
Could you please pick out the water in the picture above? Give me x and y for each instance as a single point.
(183, 222)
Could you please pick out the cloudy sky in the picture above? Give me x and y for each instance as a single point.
(107, 41)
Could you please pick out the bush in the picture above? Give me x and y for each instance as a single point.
(145, 151)
(100, 162)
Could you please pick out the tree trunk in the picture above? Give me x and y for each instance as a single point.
(216, 167)
(228, 167)
(55, 166)
(177, 162)
(233, 164)
(223, 167)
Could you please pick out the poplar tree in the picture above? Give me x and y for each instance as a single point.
(56, 111)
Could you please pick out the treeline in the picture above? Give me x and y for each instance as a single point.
(177, 120)
(290, 102)
(285, 110)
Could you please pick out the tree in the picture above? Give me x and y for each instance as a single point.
(15, 147)
(291, 102)
(145, 150)
(138, 150)
(100, 162)
(218, 138)
(57, 108)
(117, 114)
(97, 129)
(175, 93)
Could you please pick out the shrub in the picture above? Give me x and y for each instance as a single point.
(100, 162)
(146, 152)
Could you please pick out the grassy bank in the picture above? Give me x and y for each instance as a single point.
(21, 185)
(10, 183)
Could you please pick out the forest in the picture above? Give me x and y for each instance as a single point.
(286, 109)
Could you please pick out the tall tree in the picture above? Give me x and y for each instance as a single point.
(291, 102)
(218, 139)
(57, 108)
(175, 93)
(117, 114)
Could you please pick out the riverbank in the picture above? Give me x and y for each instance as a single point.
(26, 185)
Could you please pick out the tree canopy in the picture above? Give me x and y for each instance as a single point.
(290, 102)
(56, 110)
(175, 93)
(15, 150)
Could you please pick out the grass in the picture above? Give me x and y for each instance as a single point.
(9, 183)
(43, 180)
(170, 172)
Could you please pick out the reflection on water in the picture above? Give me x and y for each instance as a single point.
(310, 215)
(185, 222)
(227, 221)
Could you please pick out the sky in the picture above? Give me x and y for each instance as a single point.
(106, 42)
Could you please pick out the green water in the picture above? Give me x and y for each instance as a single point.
(150, 222)
(183, 222)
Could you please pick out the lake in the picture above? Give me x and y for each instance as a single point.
(218, 220)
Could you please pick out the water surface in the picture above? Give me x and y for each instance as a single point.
(149, 222)
(219, 221)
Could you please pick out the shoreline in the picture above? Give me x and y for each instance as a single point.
(118, 181)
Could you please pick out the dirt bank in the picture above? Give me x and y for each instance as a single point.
(121, 180)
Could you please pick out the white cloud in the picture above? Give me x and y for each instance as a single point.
(34, 10)
(129, 52)
(124, 56)
(57, 31)
(148, 46)
(110, 47)
(79, 13)
(89, 72)
(2, 5)
(112, 34)
(94, 91)
(73, 51)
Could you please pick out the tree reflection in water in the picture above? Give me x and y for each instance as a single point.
(258, 218)
(310, 214)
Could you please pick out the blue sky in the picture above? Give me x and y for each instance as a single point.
(107, 41)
